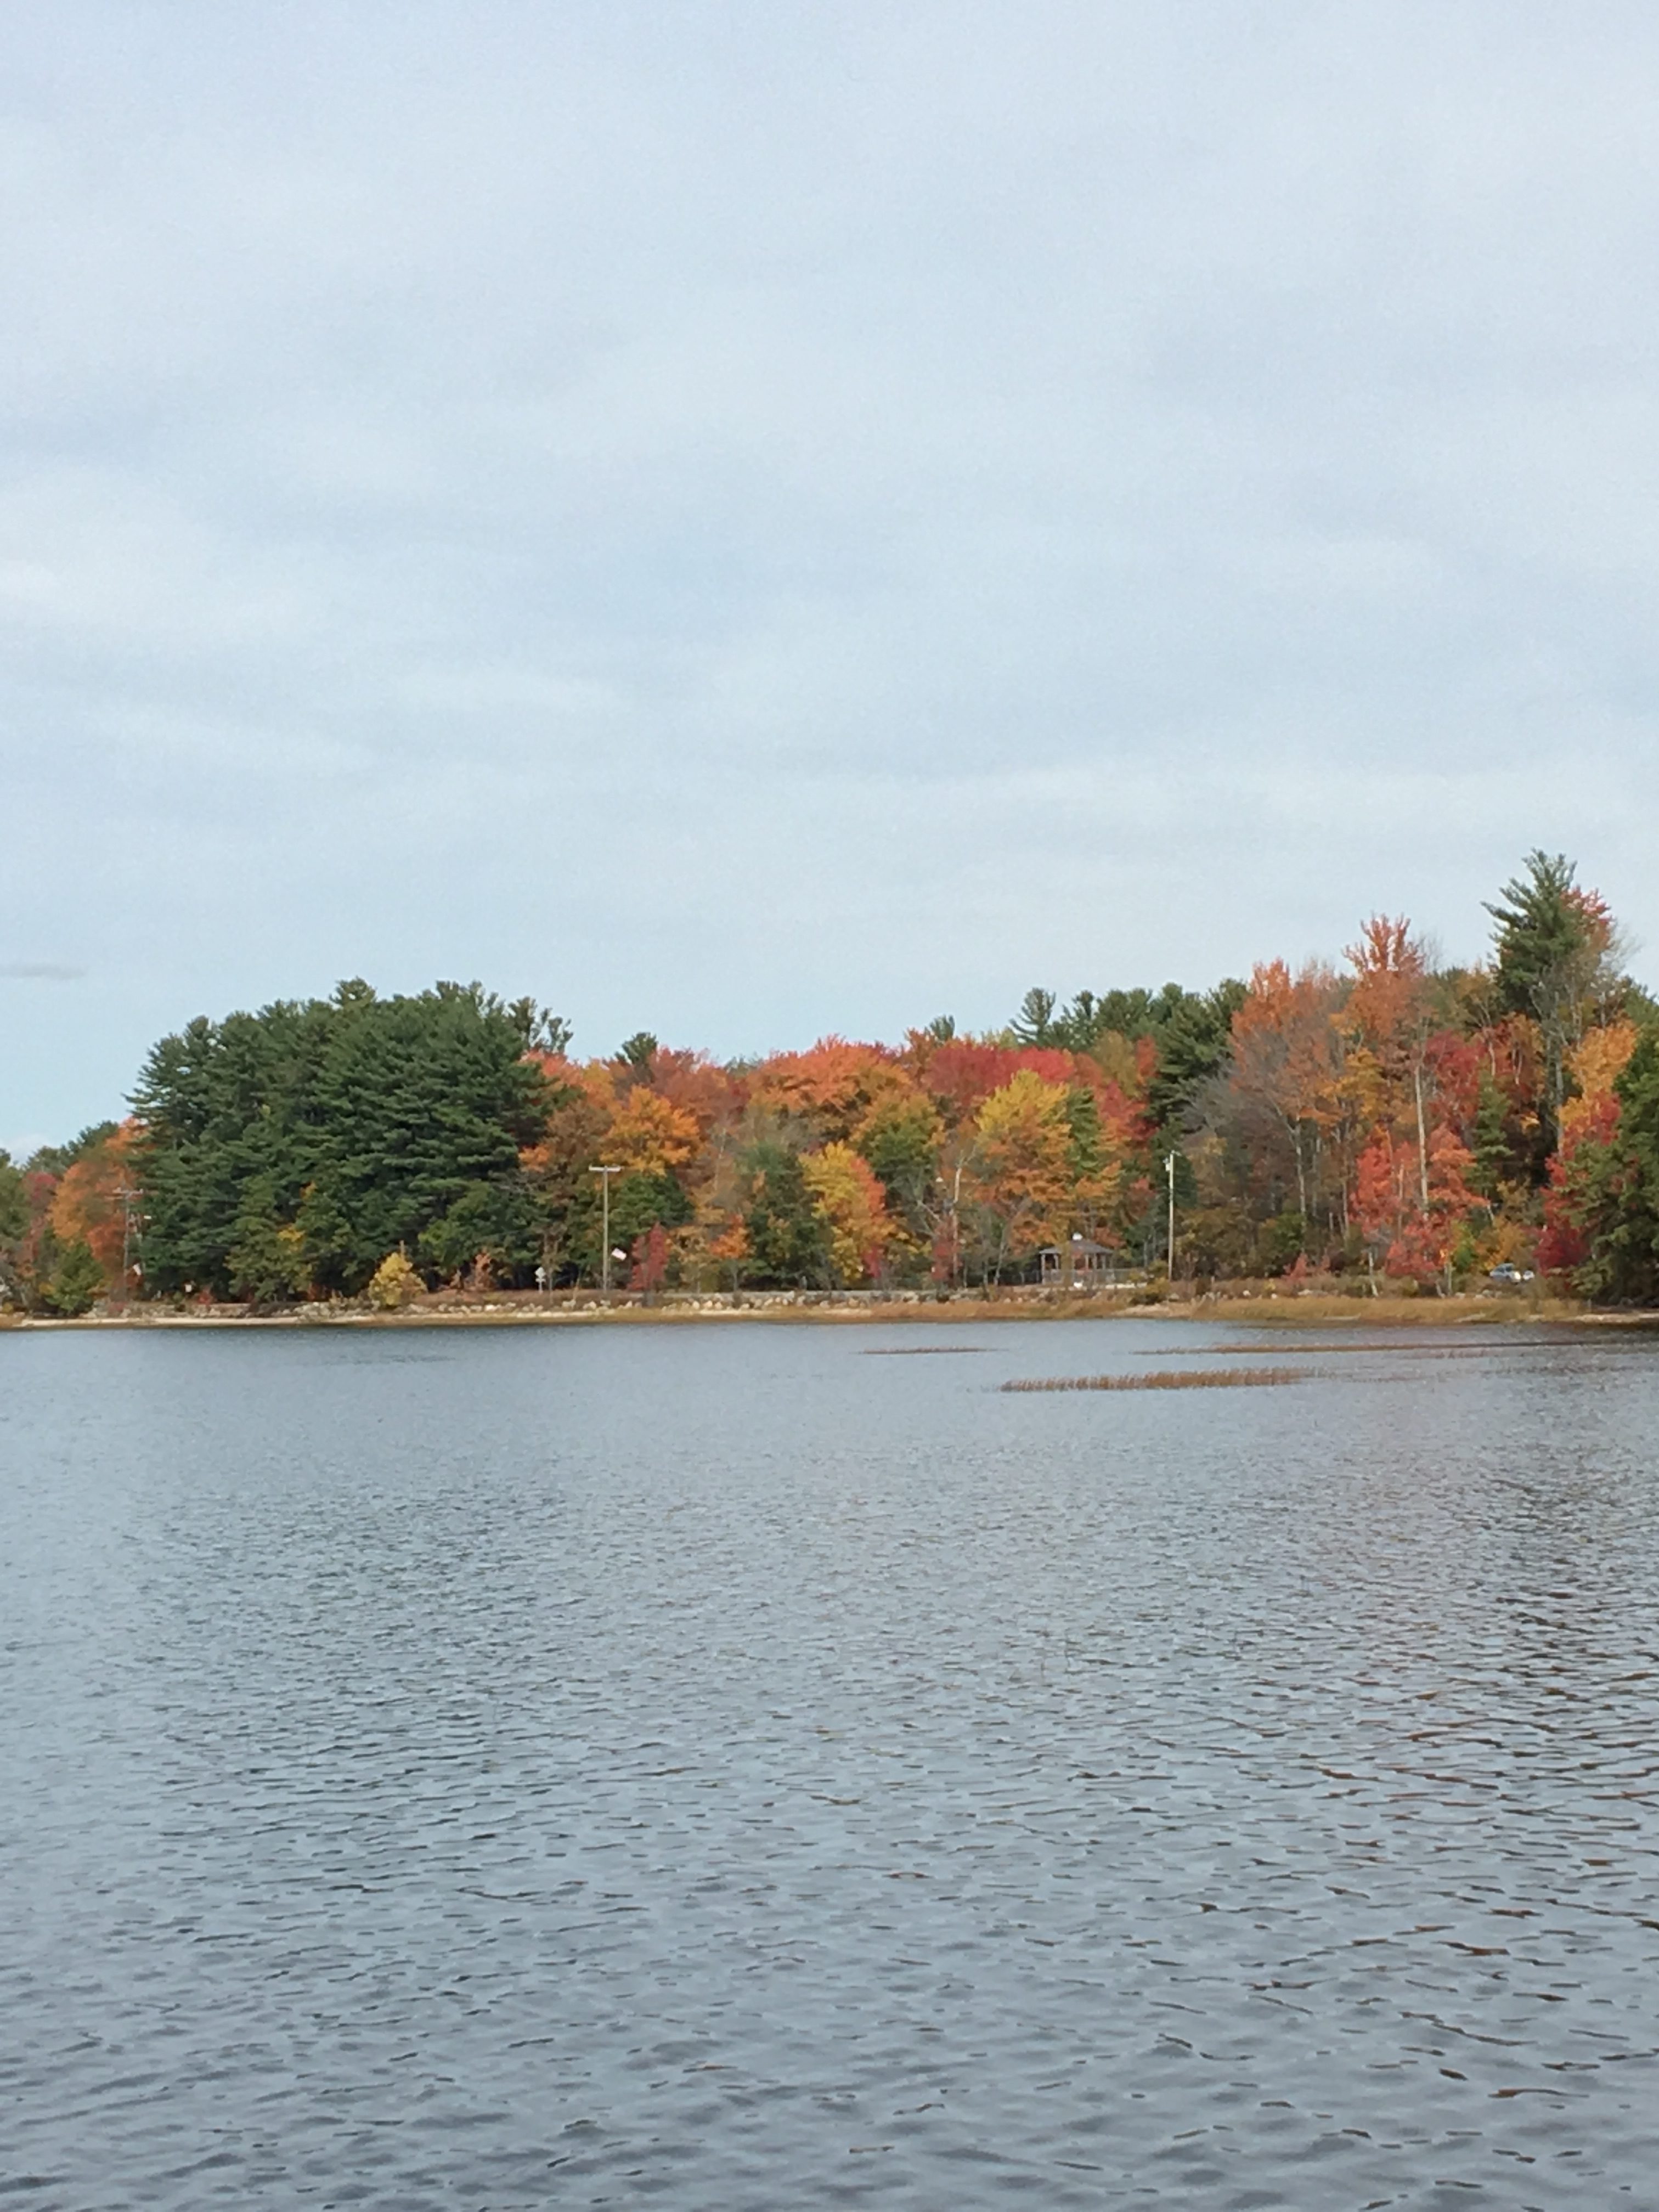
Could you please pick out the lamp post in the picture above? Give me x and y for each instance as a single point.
(605, 1176)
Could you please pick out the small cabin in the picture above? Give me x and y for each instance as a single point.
(1082, 1265)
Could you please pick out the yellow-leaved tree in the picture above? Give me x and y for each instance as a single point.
(852, 1206)
(1016, 1184)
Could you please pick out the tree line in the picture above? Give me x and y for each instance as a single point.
(1383, 1117)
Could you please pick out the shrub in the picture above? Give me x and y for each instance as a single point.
(394, 1283)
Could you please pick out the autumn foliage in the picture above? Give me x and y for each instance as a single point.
(1381, 1118)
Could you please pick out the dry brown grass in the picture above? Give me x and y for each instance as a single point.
(1293, 1312)
(1165, 1378)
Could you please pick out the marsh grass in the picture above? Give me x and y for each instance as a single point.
(1203, 1378)
(1374, 1347)
(921, 1351)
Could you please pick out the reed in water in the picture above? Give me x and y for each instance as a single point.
(1204, 1378)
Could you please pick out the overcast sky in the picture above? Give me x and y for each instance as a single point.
(753, 520)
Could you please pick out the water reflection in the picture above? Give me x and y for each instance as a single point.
(722, 1768)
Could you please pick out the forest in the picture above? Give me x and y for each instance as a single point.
(1382, 1119)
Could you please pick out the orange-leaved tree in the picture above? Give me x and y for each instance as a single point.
(828, 1090)
(1286, 1076)
(1416, 1237)
(96, 1202)
(650, 1136)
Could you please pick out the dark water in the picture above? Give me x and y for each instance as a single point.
(719, 1768)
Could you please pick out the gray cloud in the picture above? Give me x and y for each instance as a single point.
(750, 521)
(39, 971)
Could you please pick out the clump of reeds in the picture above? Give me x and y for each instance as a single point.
(1201, 1378)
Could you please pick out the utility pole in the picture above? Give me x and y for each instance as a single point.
(126, 1197)
(1169, 1168)
(605, 1176)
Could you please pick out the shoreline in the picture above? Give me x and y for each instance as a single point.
(787, 1310)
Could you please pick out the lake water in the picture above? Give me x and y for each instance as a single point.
(734, 1766)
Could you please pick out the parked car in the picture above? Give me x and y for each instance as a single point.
(1506, 1272)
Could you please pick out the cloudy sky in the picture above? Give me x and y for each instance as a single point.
(751, 520)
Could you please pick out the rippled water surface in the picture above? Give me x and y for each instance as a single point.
(730, 1768)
